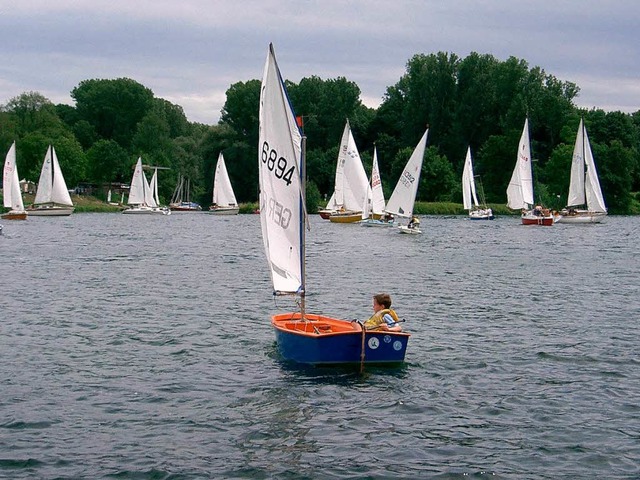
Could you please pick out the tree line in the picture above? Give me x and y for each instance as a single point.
(477, 101)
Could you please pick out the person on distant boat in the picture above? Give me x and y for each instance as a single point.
(383, 318)
(414, 222)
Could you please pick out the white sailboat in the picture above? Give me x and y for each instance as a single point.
(520, 189)
(302, 337)
(584, 186)
(351, 183)
(373, 211)
(403, 197)
(11, 195)
(141, 199)
(224, 200)
(52, 196)
(469, 196)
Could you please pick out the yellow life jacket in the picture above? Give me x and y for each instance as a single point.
(377, 318)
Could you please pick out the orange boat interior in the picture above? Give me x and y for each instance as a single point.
(313, 324)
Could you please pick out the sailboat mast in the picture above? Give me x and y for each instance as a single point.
(585, 167)
(303, 220)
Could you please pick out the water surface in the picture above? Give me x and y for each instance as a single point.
(140, 347)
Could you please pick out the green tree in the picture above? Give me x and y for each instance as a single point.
(108, 162)
(438, 182)
(113, 107)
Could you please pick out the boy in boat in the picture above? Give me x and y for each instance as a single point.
(383, 317)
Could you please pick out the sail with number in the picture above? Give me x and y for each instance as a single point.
(520, 189)
(351, 182)
(404, 195)
(374, 203)
(280, 164)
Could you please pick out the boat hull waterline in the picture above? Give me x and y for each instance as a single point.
(321, 340)
(146, 211)
(45, 211)
(14, 216)
(582, 217)
(408, 230)
(533, 219)
(224, 210)
(345, 217)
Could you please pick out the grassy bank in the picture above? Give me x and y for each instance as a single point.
(86, 203)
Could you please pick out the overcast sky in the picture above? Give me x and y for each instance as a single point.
(190, 51)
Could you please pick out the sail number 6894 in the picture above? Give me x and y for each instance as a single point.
(277, 165)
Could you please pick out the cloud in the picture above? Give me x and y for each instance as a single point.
(190, 52)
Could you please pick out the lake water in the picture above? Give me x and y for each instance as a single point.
(140, 347)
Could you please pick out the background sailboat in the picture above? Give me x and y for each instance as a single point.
(302, 337)
(181, 198)
(141, 199)
(584, 186)
(469, 196)
(11, 195)
(351, 185)
(374, 206)
(403, 197)
(224, 200)
(520, 189)
(52, 196)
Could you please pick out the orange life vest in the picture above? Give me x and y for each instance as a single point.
(377, 318)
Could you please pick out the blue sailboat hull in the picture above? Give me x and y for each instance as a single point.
(319, 340)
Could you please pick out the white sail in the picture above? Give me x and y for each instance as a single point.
(584, 186)
(223, 195)
(153, 187)
(138, 186)
(520, 189)
(404, 195)
(150, 193)
(12, 197)
(279, 164)
(51, 185)
(469, 197)
(377, 195)
(374, 201)
(59, 191)
(351, 181)
(45, 183)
